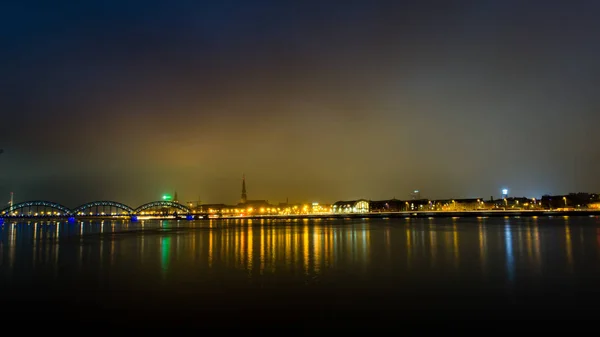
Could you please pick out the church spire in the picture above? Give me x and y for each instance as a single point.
(244, 198)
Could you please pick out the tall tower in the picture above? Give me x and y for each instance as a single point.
(244, 198)
(175, 199)
(415, 195)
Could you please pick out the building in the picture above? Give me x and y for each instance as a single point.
(415, 195)
(317, 208)
(211, 208)
(571, 200)
(354, 206)
(594, 205)
(468, 204)
(244, 198)
(243, 208)
(251, 204)
(391, 205)
(418, 205)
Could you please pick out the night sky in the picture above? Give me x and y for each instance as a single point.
(317, 101)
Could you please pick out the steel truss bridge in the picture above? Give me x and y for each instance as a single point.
(105, 208)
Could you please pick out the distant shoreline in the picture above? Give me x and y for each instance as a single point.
(373, 215)
(423, 214)
(428, 214)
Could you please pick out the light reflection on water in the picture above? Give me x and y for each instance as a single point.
(370, 253)
(510, 260)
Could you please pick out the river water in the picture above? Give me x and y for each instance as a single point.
(302, 270)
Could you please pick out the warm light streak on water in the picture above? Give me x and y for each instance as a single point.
(338, 264)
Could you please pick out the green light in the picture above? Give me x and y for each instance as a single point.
(166, 197)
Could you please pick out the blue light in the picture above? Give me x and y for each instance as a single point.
(190, 217)
(1, 221)
(72, 219)
(134, 218)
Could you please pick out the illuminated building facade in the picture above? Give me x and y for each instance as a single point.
(595, 205)
(354, 206)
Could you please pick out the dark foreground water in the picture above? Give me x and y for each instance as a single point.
(302, 272)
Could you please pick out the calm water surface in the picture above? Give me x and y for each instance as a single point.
(303, 269)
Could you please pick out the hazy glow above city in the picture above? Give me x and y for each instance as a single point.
(313, 102)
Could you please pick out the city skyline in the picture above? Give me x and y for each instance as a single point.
(243, 198)
(365, 99)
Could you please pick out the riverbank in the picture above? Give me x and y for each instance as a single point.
(428, 214)
(420, 214)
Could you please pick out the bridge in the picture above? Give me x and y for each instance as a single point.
(104, 208)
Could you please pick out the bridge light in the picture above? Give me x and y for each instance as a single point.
(167, 197)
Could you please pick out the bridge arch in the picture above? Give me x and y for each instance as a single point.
(37, 203)
(103, 203)
(161, 203)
